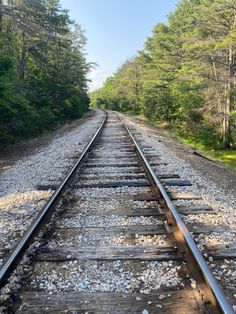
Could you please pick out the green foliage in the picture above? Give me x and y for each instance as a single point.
(42, 68)
(121, 92)
(208, 135)
(185, 75)
(157, 104)
(75, 106)
(188, 101)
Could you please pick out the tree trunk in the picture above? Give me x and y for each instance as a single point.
(226, 127)
(227, 138)
(22, 58)
(1, 15)
(219, 107)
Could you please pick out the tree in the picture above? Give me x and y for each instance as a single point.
(207, 29)
(47, 68)
(185, 75)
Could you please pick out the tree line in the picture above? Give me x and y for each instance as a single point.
(42, 68)
(185, 75)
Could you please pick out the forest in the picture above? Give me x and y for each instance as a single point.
(184, 78)
(42, 68)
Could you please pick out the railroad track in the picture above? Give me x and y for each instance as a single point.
(112, 241)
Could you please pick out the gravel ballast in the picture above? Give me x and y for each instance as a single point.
(19, 199)
(117, 276)
(205, 182)
(90, 245)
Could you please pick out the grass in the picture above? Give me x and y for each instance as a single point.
(227, 157)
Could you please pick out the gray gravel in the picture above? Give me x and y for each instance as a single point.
(223, 202)
(117, 276)
(18, 195)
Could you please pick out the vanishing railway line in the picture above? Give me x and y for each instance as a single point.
(116, 243)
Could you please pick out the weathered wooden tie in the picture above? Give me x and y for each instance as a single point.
(148, 253)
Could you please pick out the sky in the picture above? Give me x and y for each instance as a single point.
(115, 29)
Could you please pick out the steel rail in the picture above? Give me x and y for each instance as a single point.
(208, 284)
(30, 233)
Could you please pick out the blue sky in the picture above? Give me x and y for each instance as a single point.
(116, 29)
